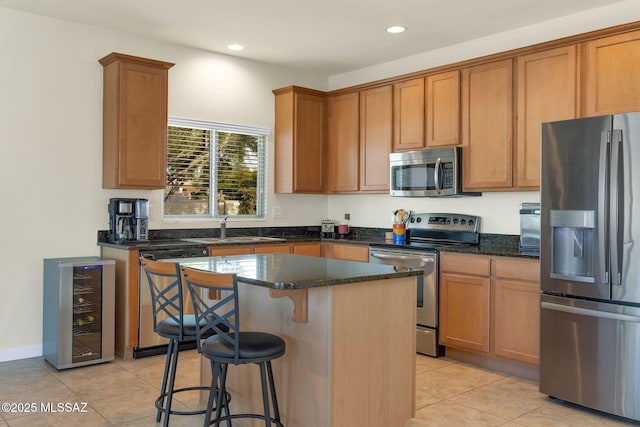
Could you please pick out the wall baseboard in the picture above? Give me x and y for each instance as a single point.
(25, 352)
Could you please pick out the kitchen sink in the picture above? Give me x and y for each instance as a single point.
(237, 239)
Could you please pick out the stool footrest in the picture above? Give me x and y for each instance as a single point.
(235, 416)
(162, 397)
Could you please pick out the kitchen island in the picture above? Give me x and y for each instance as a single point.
(349, 328)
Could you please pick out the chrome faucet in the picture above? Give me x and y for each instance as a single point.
(223, 227)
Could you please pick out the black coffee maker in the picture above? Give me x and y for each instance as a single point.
(128, 220)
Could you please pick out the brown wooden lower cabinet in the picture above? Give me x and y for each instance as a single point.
(490, 304)
(308, 248)
(345, 251)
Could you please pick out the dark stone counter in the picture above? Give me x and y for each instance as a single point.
(490, 244)
(287, 272)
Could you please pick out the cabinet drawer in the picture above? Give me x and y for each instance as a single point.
(518, 269)
(475, 265)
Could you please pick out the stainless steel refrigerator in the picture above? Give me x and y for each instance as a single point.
(590, 262)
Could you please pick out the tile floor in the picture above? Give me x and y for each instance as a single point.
(121, 393)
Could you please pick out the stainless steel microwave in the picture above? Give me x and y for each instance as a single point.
(426, 173)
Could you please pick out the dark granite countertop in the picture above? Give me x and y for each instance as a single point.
(490, 244)
(285, 271)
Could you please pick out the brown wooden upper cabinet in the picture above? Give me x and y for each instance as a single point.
(299, 140)
(426, 112)
(408, 115)
(134, 122)
(487, 126)
(442, 123)
(376, 133)
(546, 91)
(612, 77)
(343, 143)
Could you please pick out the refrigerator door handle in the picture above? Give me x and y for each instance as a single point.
(588, 312)
(614, 205)
(602, 273)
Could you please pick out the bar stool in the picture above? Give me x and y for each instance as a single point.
(215, 300)
(170, 321)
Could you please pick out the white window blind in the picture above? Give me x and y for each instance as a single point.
(215, 169)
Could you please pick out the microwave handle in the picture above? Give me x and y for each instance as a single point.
(436, 175)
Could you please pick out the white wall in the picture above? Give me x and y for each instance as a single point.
(51, 200)
(499, 211)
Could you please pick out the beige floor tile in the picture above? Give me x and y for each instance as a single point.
(507, 399)
(104, 386)
(451, 414)
(452, 380)
(130, 405)
(426, 363)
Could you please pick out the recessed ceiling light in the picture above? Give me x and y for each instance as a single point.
(235, 47)
(396, 29)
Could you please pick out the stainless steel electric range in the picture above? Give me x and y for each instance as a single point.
(428, 232)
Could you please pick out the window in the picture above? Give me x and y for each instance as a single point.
(215, 170)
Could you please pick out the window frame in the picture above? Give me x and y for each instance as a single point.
(262, 176)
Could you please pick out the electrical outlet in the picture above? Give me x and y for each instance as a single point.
(347, 216)
(278, 212)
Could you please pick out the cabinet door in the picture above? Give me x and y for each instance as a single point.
(309, 143)
(283, 248)
(346, 251)
(375, 138)
(546, 91)
(230, 250)
(299, 140)
(134, 122)
(443, 109)
(612, 82)
(487, 120)
(343, 142)
(517, 320)
(310, 249)
(516, 309)
(408, 115)
(464, 311)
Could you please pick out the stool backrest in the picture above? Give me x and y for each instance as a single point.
(215, 305)
(165, 285)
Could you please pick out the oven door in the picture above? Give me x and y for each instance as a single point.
(427, 303)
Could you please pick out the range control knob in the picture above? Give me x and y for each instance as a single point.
(412, 220)
(455, 220)
(470, 223)
(463, 222)
(419, 220)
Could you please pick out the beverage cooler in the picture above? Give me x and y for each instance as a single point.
(78, 311)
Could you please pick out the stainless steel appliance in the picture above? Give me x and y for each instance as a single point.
(590, 268)
(78, 311)
(426, 173)
(150, 343)
(128, 219)
(530, 228)
(428, 233)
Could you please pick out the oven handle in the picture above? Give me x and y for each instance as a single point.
(400, 257)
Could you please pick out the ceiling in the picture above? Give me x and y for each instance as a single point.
(325, 36)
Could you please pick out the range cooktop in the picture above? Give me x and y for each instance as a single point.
(435, 230)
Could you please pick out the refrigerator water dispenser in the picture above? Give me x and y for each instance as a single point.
(572, 245)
